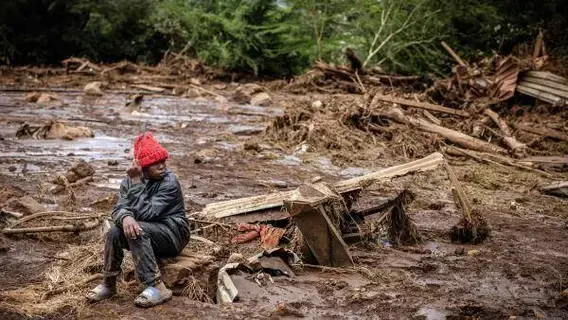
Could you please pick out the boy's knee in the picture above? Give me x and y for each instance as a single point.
(114, 233)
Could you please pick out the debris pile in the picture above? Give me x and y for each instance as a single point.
(78, 175)
(53, 130)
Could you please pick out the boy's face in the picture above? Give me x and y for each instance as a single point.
(157, 170)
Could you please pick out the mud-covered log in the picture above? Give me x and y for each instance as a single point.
(456, 137)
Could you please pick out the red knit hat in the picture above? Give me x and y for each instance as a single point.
(148, 151)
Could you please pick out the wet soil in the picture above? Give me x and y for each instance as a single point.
(519, 271)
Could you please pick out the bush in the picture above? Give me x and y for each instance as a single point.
(275, 37)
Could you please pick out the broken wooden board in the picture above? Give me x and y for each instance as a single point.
(234, 207)
(318, 231)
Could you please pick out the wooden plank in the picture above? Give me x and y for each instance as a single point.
(546, 83)
(420, 105)
(547, 76)
(556, 92)
(428, 163)
(275, 200)
(544, 96)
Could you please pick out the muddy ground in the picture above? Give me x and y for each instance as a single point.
(519, 271)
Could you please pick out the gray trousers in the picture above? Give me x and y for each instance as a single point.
(154, 242)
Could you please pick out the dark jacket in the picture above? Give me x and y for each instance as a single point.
(154, 201)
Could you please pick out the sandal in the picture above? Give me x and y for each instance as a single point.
(100, 292)
(152, 297)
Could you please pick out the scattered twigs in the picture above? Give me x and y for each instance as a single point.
(80, 284)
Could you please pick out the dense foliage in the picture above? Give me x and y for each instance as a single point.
(274, 37)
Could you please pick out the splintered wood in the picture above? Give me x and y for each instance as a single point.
(319, 232)
(276, 200)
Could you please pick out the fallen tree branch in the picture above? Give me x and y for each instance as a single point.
(416, 104)
(545, 132)
(491, 158)
(39, 215)
(453, 54)
(64, 228)
(510, 141)
(456, 137)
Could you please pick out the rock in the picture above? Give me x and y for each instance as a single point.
(252, 146)
(46, 98)
(220, 86)
(261, 99)
(93, 89)
(191, 275)
(192, 93)
(317, 104)
(82, 169)
(32, 96)
(112, 163)
(221, 99)
(12, 168)
(236, 258)
(195, 81)
(244, 93)
(59, 130)
(7, 193)
(26, 205)
(177, 91)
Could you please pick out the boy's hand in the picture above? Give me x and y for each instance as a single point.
(131, 228)
(134, 171)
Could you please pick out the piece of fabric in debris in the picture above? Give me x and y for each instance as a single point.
(269, 236)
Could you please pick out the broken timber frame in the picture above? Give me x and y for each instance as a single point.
(276, 200)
